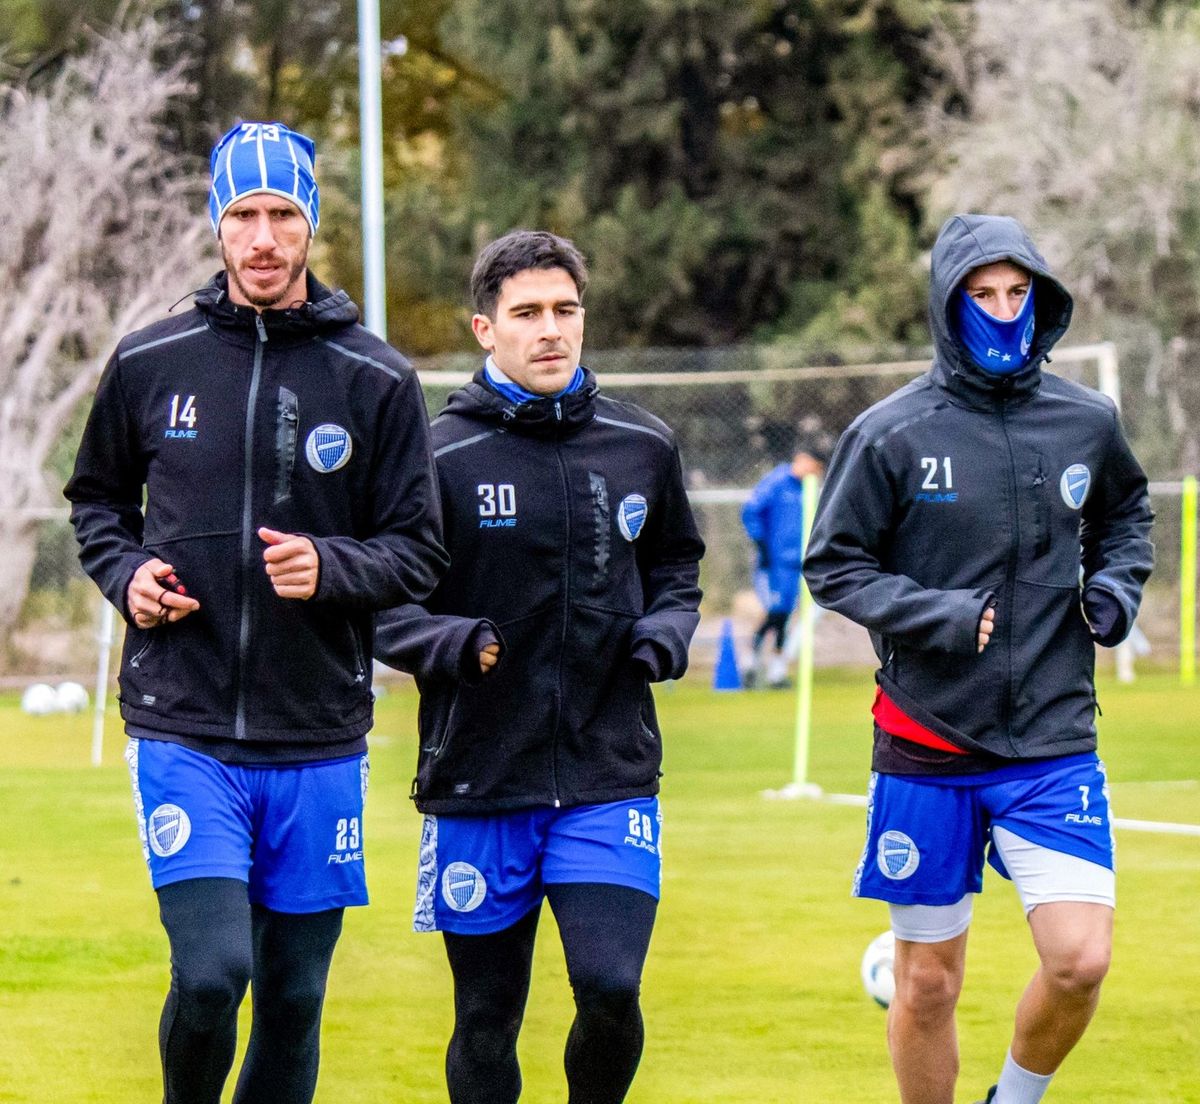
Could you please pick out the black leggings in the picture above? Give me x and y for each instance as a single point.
(220, 943)
(775, 622)
(605, 933)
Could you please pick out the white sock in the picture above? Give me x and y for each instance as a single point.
(1019, 1086)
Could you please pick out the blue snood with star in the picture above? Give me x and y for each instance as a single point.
(997, 346)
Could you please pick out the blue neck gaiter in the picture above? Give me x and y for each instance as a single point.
(998, 347)
(515, 393)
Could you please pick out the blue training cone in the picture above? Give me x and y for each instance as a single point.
(726, 675)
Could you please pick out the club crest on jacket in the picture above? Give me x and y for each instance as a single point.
(328, 448)
(1074, 485)
(631, 516)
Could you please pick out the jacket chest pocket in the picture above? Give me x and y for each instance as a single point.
(287, 422)
(1040, 507)
(1050, 529)
(601, 526)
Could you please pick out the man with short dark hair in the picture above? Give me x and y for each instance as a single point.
(572, 587)
(289, 493)
(989, 524)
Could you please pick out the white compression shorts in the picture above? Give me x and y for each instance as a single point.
(1041, 876)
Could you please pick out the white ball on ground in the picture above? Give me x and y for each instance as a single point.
(877, 976)
(39, 699)
(71, 697)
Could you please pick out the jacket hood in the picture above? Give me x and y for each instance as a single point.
(964, 243)
(323, 311)
(544, 417)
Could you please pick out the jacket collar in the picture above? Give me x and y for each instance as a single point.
(544, 417)
(324, 310)
(966, 381)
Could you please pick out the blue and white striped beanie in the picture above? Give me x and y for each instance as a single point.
(264, 157)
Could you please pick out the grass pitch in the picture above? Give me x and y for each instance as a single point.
(751, 991)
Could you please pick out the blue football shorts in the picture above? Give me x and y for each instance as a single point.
(927, 837)
(293, 833)
(481, 874)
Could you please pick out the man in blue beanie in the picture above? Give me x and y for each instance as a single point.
(262, 176)
(989, 525)
(284, 456)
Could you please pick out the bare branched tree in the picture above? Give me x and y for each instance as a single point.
(101, 231)
(1083, 121)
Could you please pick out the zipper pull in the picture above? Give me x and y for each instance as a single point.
(262, 329)
(558, 411)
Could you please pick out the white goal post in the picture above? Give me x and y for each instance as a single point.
(779, 367)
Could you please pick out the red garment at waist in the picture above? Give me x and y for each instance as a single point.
(893, 720)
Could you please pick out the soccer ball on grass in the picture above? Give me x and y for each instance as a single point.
(70, 697)
(39, 699)
(877, 976)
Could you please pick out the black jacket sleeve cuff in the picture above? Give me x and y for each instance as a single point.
(654, 658)
(1106, 616)
(483, 634)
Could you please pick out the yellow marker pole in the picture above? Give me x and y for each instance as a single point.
(1187, 585)
(804, 670)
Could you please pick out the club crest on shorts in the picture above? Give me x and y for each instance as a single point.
(631, 516)
(1074, 486)
(463, 887)
(328, 448)
(168, 828)
(897, 856)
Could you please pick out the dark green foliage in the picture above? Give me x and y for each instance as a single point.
(35, 34)
(729, 167)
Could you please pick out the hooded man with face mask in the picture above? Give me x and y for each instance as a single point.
(989, 525)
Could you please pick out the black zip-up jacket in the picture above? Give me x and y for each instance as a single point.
(965, 490)
(299, 420)
(572, 541)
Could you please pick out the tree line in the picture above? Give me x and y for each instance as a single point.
(734, 170)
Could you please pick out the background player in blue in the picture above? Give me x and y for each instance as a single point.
(773, 518)
(573, 548)
(988, 524)
(284, 454)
